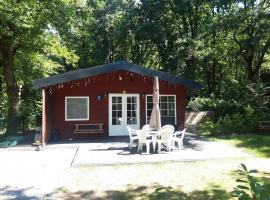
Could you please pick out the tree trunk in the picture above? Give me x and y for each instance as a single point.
(12, 91)
(252, 75)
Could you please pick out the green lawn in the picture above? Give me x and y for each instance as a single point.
(258, 144)
(199, 180)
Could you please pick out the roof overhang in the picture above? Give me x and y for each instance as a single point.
(112, 67)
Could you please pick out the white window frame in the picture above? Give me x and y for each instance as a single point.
(76, 97)
(167, 95)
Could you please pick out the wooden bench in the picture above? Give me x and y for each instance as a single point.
(264, 125)
(88, 128)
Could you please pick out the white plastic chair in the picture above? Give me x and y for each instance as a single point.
(146, 127)
(178, 137)
(168, 126)
(144, 139)
(166, 136)
(133, 135)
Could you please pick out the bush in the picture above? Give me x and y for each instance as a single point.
(248, 187)
(240, 109)
(2, 126)
(227, 124)
(201, 104)
(235, 123)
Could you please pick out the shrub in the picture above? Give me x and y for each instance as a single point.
(231, 123)
(248, 187)
(201, 104)
(2, 126)
(208, 127)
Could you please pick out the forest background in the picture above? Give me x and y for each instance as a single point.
(224, 45)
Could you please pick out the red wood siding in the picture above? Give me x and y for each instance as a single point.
(108, 83)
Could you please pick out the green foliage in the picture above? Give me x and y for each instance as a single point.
(235, 123)
(248, 187)
(2, 126)
(222, 44)
(239, 108)
(202, 104)
(30, 48)
(226, 124)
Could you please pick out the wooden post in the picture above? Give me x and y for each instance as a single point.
(44, 125)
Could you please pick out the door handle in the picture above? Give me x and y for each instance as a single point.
(120, 120)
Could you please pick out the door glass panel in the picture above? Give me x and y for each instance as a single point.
(131, 110)
(116, 110)
(132, 120)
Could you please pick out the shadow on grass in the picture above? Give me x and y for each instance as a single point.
(264, 178)
(8, 192)
(148, 193)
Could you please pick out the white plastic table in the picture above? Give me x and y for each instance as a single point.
(153, 134)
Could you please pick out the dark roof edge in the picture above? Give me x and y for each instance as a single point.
(111, 67)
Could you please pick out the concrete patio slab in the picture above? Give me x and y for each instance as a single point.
(116, 151)
(109, 153)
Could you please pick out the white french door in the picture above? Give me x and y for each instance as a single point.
(123, 112)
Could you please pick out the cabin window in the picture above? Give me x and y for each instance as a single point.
(76, 108)
(167, 106)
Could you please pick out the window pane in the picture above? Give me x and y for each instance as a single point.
(170, 112)
(170, 98)
(167, 120)
(114, 106)
(163, 99)
(132, 120)
(149, 105)
(119, 106)
(163, 106)
(129, 114)
(77, 108)
(149, 99)
(128, 106)
(171, 105)
(163, 112)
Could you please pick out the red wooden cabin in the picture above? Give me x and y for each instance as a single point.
(103, 100)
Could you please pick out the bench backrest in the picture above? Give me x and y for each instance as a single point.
(88, 128)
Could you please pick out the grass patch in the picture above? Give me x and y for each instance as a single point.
(257, 144)
(157, 193)
(199, 180)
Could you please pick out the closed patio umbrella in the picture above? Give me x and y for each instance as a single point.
(155, 121)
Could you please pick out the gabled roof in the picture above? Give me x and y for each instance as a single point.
(107, 68)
